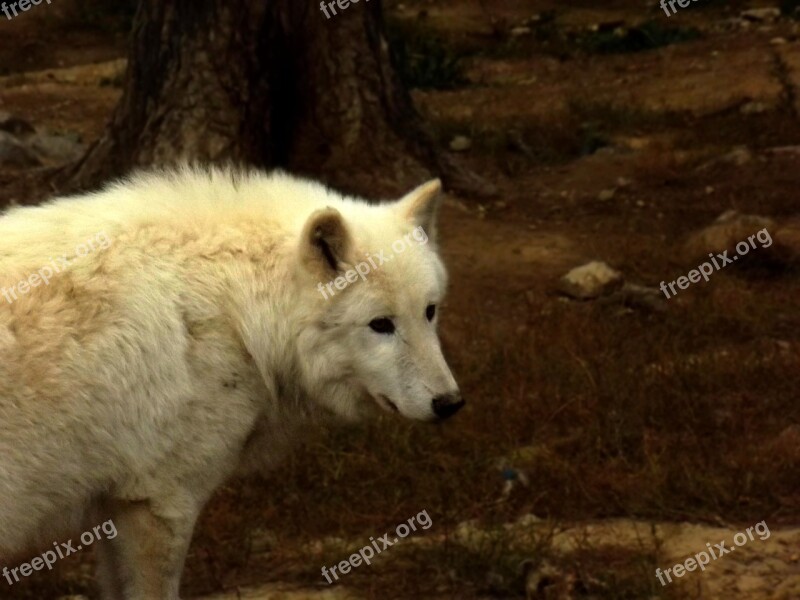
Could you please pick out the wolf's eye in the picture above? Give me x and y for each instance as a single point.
(382, 326)
(430, 312)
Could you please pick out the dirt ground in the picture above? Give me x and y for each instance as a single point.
(630, 435)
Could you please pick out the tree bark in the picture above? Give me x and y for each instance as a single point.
(264, 82)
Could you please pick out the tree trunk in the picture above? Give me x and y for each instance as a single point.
(267, 83)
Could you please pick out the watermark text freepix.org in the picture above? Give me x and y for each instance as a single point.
(367, 553)
(49, 558)
(56, 266)
(342, 4)
(24, 6)
(363, 269)
(702, 558)
(706, 269)
(672, 3)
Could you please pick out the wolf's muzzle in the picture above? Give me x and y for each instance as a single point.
(446, 405)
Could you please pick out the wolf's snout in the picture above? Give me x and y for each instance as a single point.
(446, 405)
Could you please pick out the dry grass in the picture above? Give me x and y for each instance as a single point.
(608, 412)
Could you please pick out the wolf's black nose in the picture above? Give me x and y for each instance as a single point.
(446, 405)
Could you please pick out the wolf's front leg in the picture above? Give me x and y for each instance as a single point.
(145, 559)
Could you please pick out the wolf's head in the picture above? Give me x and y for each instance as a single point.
(378, 283)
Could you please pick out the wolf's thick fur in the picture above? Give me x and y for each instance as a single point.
(195, 345)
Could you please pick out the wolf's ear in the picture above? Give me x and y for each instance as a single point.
(325, 243)
(422, 206)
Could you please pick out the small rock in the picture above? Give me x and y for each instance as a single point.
(607, 195)
(731, 24)
(729, 229)
(60, 148)
(777, 41)
(641, 203)
(727, 216)
(753, 108)
(460, 143)
(14, 153)
(709, 189)
(624, 182)
(642, 297)
(740, 155)
(607, 151)
(520, 31)
(529, 520)
(638, 143)
(589, 281)
(785, 150)
(761, 14)
(15, 125)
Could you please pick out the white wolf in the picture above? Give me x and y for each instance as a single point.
(194, 346)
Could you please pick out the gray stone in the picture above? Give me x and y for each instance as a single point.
(740, 155)
(642, 297)
(724, 233)
(14, 153)
(460, 143)
(58, 148)
(761, 14)
(607, 195)
(753, 108)
(589, 281)
(624, 182)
